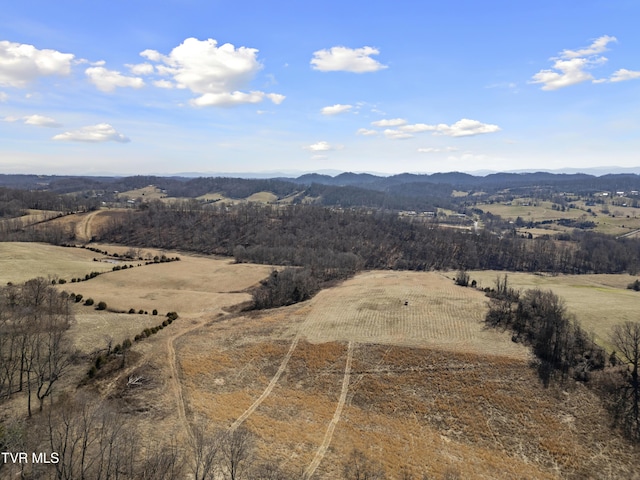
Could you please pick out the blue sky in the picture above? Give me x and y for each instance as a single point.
(139, 87)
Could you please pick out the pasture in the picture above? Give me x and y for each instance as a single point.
(428, 392)
(597, 301)
(20, 262)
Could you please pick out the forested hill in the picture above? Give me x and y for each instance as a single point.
(182, 186)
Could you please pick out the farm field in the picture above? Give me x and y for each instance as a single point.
(619, 221)
(20, 262)
(431, 393)
(397, 365)
(598, 301)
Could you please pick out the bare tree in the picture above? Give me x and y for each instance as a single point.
(359, 467)
(626, 339)
(237, 448)
(205, 449)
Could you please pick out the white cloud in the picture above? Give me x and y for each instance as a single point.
(569, 68)
(599, 45)
(396, 134)
(164, 84)
(366, 132)
(107, 80)
(418, 127)
(357, 60)
(437, 150)
(41, 121)
(321, 147)
(22, 63)
(568, 72)
(394, 122)
(216, 73)
(140, 68)
(102, 132)
(230, 99)
(624, 74)
(462, 128)
(465, 128)
(3, 97)
(336, 109)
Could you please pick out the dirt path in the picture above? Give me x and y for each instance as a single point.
(175, 383)
(269, 388)
(336, 417)
(83, 228)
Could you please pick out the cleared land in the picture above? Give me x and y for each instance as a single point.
(431, 392)
(20, 262)
(403, 308)
(618, 221)
(395, 364)
(597, 301)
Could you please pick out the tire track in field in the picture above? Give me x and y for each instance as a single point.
(83, 228)
(267, 391)
(336, 417)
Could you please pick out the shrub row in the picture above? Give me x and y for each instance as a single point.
(147, 332)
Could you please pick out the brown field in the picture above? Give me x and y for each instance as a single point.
(149, 192)
(619, 221)
(422, 387)
(370, 308)
(597, 301)
(22, 261)
(431, 391)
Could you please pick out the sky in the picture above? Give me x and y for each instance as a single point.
(177, 86)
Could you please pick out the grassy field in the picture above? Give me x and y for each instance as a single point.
(370, 308)
(597, 301)
(22, 261)
(431, 392)
(395, 364)
(618, 221)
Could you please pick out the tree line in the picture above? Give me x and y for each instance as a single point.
(328, 238)
(539, 318)
(35, 351)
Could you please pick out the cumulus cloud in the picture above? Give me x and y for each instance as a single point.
(336, 109)
(624, 74)
(571, 66)
(418, 128)
(321, 147)
(394, 122)
(20, 63)
(102, 132)
(216, 73)
(357, 60)
(366, 132)
(396, 134)
(41, 121)
(140, 68)
(164, 84)
(462, 128)
(107, 80)
(465, 128)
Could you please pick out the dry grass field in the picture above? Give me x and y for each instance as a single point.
(427, 393)
(395, 364)
(619, 221)
(22, 261)
(597, 301)
(149, 192)
(370, 308)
